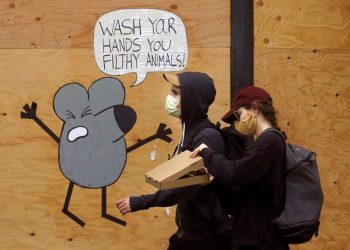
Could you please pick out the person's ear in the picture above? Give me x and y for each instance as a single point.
(254, 110)
(125, 116)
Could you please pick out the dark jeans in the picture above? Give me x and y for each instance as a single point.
(216, 242)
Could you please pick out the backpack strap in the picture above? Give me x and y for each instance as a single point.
(309, 156)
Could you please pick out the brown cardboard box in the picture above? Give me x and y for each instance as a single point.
(179, 171)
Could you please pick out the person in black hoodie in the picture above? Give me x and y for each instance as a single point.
(202, 223)
(259, 176)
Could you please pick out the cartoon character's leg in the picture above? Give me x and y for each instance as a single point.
(104, 209)
(66, 205)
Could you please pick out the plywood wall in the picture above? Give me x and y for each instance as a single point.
(46, 44)
(301, 55)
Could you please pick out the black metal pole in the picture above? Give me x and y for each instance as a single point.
(242, 45)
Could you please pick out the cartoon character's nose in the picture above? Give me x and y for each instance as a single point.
(76, 133)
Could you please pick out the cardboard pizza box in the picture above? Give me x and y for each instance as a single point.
(179, 171)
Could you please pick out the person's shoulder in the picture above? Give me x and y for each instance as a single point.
(211, 137)
(272, 136)
(210, 132)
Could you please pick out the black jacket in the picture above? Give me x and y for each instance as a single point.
(260, 197)
(199, 214)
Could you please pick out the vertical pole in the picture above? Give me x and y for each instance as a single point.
(242, 45)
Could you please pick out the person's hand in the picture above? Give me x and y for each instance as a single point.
(124, 205)
(196, 152)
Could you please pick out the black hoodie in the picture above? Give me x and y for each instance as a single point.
(199, 214)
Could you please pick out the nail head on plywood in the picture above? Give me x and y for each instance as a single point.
(266, 40)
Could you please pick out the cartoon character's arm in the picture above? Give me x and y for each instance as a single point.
(161, 133)
(30, 113)
(126, 117)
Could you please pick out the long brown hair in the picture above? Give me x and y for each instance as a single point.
(268, 111)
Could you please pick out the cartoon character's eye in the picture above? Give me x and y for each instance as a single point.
(69, 115)
(87, 111)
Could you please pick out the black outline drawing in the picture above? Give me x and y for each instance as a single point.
(162, 134)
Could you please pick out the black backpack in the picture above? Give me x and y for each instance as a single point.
(300, 218)
(235, 143)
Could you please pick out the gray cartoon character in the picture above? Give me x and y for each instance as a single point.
(92, 148)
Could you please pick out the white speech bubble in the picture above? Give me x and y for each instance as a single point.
(140, 41)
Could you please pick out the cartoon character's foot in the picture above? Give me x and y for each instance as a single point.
(114, 219)
(73, 217)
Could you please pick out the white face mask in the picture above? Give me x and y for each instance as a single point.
(171, 104)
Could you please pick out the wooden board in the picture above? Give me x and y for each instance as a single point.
(310, 87)
(302, 24)
(312, 94)
(70, 24)
(32, 187)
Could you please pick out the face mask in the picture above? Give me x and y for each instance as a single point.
(171, 104)
(247, 124)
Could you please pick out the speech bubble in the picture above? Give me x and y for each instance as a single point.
(140, 41)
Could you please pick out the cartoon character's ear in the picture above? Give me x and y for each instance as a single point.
(70, 100)
(125, 117)
(105, 93)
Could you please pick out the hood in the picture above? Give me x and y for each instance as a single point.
(197, 94)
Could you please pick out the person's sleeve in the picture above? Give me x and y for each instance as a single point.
(170, 197)
(162, 198)
(250, 168)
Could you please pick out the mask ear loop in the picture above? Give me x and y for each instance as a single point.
(256, 107)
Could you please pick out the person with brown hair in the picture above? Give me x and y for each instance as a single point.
(258, 177)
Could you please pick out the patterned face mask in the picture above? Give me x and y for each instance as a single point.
(247, 124)
(171, 104)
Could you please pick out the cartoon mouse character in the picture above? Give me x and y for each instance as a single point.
(92, 148)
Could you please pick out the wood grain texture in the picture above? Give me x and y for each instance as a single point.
(32, 187)
(310, 87)
(302, 24)
(70, 24)
(312, 94)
